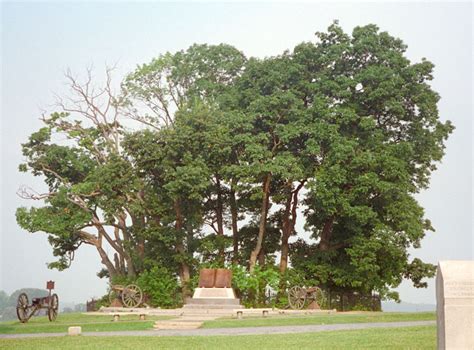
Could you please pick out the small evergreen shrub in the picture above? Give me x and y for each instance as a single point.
(160, 286)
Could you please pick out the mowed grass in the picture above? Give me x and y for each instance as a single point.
(294, 320)
(89, 323)
(395, 338)
(97, 323)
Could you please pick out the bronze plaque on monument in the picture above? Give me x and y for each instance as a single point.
(223, 278)
(207, 278)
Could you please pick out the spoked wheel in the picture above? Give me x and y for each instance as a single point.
(132, 296)
(113, 294)
(53, 307)
(318, 296)
(22, 307)
(296, 297)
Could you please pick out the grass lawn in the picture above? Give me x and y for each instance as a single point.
(396, 338)
(88, 323)
(130, 322)
(294, 320)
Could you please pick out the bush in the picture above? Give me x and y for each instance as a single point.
(102, 301)
(251, 287)
(160, 286)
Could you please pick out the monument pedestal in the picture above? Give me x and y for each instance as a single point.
(214, 292)
(455, 304)
(213, 298)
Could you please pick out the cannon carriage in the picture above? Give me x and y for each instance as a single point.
(299, 296)
(25, 311)
(130, 295)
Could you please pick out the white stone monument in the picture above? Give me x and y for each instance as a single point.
(455, 304)
(76, 330)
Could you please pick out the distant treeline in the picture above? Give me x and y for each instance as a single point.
(8, 303)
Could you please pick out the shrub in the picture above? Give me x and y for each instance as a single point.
(160, 286)
(250, 287)
(102, 301)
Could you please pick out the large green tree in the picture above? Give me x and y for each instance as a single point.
(185, 93)
(269, 96)
(94, 196)
(376, 123)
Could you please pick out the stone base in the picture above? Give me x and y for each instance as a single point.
(213, 298)
(176, 324)
(211, 306)
(455, 304)
(75, 330)
(213, 293)
(212, 301)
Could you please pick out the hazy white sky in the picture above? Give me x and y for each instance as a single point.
(40, 40)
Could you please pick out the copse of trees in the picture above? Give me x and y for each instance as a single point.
(228, 152)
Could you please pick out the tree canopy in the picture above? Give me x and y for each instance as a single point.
(207, 157)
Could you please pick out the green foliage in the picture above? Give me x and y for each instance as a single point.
(103, 301)
(416, 270)
(251, 287)
(3, 300)
(161, 287)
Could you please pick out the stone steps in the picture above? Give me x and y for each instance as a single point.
(177, 324)
(212, 301)
(184, 322)
(199, 317)
(215, 307)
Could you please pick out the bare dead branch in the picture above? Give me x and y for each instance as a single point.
(99, 105)
(26, 192)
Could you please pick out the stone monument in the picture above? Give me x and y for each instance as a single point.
(214, 291)
(455, 304)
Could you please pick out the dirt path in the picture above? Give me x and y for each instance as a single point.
(235, 331)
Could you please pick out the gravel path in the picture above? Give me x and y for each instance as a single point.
(235, 331)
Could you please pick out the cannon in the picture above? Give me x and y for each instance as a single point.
(131, 295)
(299, 296)
(24, 311)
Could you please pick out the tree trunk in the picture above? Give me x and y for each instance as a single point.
(120, 261)
(220, 220)
(106, 261)
(130, 267)
(261, 257)
(141, 240)
(326, 232)
(118, 267)
(234, 219)
(263, 222)
(184, 273)
(289, 224)
(116, 245)
(285, 234)
(96, 241)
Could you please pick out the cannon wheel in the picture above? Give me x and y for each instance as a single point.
(317, 295)
(132, 296)
(113, 294)
(22, 307)
(53, 307)
(296, 297)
